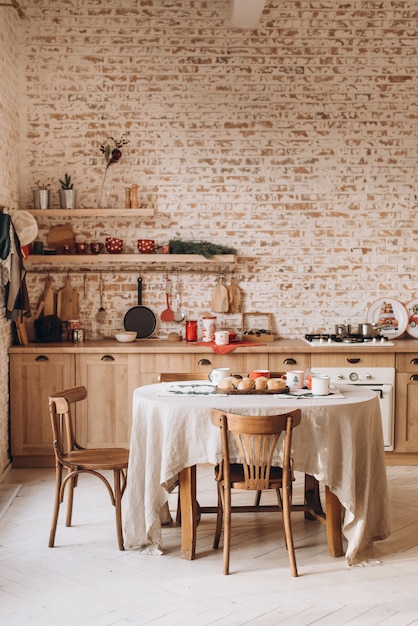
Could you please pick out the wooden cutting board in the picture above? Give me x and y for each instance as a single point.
(234, 295)
(59, 236)
(48, 297)
(68, 302)
(220, 299)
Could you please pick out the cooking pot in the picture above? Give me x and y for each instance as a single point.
(140, 318)
(365, 329)
(342, 329)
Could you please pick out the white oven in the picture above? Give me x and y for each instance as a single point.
(381, 380)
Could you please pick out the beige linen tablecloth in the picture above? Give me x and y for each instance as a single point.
(339, 441)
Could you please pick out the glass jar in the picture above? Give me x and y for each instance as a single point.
(191, 330)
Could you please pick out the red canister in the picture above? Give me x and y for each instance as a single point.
(191, 330)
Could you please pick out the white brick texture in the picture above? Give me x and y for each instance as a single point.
(295, 142)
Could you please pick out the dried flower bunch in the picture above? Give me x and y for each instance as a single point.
(112, 149)
(112, 153)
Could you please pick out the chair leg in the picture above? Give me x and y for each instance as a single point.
(227, 528)
(57, 502)
(219, 517)
(288, 529)
(257, 498)
(118, 506)
(72, 483)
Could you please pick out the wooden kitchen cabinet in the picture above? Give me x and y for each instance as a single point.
(104, 418)
(34, 377)
(406, 403)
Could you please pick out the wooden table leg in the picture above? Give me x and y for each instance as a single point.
(187, 486)
(333, 522)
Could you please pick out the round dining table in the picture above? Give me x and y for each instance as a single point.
(339, 442)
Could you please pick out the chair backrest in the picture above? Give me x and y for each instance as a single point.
(60, 410)
(174, 377)
(256, 438)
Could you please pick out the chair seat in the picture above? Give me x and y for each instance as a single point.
(98, 459)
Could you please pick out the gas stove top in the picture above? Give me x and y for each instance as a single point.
(328, 339)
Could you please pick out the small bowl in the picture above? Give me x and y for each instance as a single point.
(125, 336)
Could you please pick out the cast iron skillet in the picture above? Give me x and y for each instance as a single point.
(140, 318)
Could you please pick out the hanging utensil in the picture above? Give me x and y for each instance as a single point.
(168, 314)
(101, 313)
(178, 313)
(140, 318)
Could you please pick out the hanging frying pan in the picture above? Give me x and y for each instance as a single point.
(140, 318)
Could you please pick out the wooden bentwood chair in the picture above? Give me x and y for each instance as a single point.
(76, 460)
(256, 439)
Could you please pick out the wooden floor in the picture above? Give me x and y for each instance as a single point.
(86, 580)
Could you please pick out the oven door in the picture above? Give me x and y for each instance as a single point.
(386, 399)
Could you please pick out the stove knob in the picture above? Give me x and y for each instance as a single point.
(368, 377)
(353, 376)
(340, 377)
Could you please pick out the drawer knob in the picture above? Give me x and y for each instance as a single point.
(289, 361)
(107, 357)
(354, 360)
(414, 361)
(414, 377)
(204, 362)
(42, 357)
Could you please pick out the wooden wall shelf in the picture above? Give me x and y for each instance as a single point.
(126, 262)
(86, 213)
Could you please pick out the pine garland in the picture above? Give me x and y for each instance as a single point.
(205, 248)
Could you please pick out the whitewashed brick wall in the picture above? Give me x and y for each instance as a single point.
(294, 142)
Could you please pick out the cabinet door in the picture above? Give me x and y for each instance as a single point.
(104, 418)
(34, 377)
(406, 413)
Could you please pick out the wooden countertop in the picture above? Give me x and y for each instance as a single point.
(162, 346)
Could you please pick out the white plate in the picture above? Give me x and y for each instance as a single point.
(412, 308)
(390, 315)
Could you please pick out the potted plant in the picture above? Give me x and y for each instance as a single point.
(68, 195)
(41, 195)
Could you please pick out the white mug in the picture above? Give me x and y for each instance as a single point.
(221, 337)
(218, 374)
(295, 379)
(320, 384)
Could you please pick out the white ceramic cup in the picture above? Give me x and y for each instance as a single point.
(320, 384)
(218, 374)
(295, 379)
(221, 337)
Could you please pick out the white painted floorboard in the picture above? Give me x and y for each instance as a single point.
(85, 580)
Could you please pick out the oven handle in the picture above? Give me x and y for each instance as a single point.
(372, 387)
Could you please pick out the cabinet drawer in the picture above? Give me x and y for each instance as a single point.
(407, 362)
(286, 362)
(357, 358)
(154, 364)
